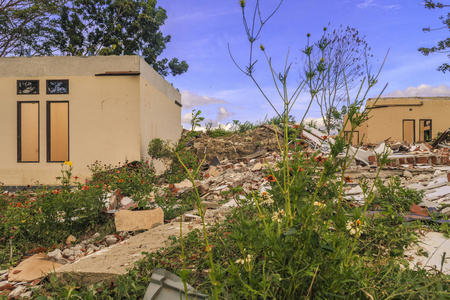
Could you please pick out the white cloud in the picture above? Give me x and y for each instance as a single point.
(190, 100)
(222, 113)
(186, 118)
(372, 3)
(366, 3)
(421, 91)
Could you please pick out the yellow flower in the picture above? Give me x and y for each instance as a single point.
(23, 221)
(68, 163)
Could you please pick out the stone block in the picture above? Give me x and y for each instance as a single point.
(127, 220)
(33, 268)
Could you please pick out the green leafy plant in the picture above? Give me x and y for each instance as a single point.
(394, 196)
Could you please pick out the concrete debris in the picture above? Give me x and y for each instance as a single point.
(127, 220)
(165, 285)
(32, 268)
(430, 253)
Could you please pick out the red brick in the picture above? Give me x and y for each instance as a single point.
(434, 160)
(421, 160)
(410, 160)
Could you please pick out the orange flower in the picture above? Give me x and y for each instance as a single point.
(121, 180)
(118, 172)
(270, 178)
(347, 179)
(320, 159)
(85, 188)
(97, 186)
(55, 192)
(324, 137)
(300, 169)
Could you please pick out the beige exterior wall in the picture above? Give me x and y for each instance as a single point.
(387, 116)
(106, 113)
(159, 113)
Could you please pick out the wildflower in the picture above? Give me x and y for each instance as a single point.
(320, 159)
(262, 47)
(270, 178)
(267, 200)
(300, 169)
(242, 3)
(355, 227)
(319, 204)
(347, 179)
(68, 163)
(55, 192)
(247, 259)
(85, 188)
(75, 177)
(277, 216)
(324, 137)
(121, 180)
(23, 221)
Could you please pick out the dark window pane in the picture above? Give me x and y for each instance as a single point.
(57, 86)
(27, 86)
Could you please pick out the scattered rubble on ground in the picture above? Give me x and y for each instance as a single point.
(241, 160)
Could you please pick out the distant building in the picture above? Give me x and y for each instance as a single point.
(82, 109)
(411, 119)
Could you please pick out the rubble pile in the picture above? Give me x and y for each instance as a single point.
(240, 161)
(236, 145)
(22, 280)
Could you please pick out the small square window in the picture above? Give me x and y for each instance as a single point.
(27, 87)
(57, 86)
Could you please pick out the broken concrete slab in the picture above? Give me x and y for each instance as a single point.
(440, 192)
(127, 220)
(165, 285)
(436, 247)
(108, 263)
(32, 268)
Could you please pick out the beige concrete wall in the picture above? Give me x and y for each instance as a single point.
(105, 113)
(387, 115)
(159, 114)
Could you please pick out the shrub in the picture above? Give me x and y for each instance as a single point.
(394, 196)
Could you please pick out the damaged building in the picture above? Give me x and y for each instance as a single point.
(82, 109)
(412, 119)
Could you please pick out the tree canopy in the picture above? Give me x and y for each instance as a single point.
(85, 27)
(26, 23)
(444, 45)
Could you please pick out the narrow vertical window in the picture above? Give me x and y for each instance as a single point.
(28, 131)
(57, 131)
(409, 131)
(425, 130)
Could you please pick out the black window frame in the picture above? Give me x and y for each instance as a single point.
(48, 130)
(19, 132)
(52, 80)
(18, 85)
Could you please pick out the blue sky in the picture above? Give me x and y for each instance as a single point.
(202, 29)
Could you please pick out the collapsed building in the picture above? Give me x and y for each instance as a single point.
(411, 119)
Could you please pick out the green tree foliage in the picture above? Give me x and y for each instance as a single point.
(26, 24)
(115, 27)
(444, 45)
